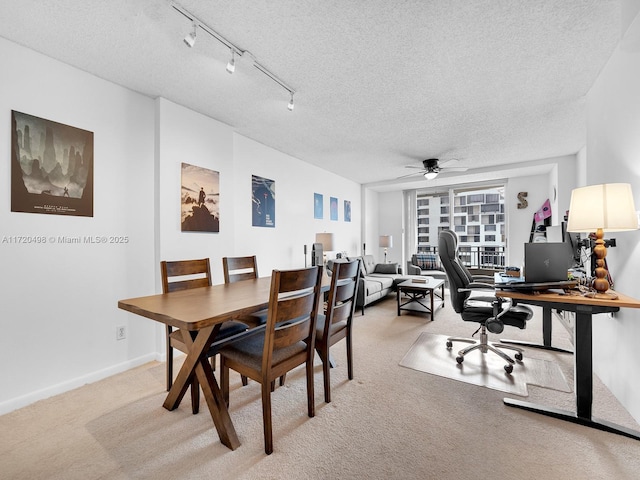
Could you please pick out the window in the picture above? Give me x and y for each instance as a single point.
(477, 216)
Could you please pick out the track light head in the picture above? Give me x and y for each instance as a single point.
(290, 106)
(190, 39)
(231, 66)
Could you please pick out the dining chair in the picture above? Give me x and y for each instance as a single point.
(183, 275)
(336, 322)
(238, 269)
(286, 342)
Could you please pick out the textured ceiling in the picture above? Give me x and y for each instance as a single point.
(379, 84)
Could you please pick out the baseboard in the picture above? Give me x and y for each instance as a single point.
(28, 399)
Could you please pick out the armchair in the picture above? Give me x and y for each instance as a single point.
(491, 312)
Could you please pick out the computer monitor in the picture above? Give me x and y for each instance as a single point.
(574, 242)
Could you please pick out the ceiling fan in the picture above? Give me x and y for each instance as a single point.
(431, 167)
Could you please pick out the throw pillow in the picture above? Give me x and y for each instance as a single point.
(428, 261)
(386, 268)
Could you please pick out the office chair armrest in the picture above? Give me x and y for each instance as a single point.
(499, 308)
(480, 286)
(483, 279)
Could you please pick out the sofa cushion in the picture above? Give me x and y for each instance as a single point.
(386, 268)
(374, 284)
(369, 263)
(427, 261)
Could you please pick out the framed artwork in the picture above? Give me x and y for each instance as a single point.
(333, 208)
(318, 211)
(263, 199)
(347, 210)
(199, 199)
(51, 167)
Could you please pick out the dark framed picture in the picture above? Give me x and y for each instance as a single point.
(347, 210)
(318, 210)
(200, 199)
(263, 200)
(51, 167)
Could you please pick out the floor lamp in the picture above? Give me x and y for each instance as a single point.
(386, 241)
(602, 208)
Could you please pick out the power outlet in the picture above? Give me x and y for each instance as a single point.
(121, 332)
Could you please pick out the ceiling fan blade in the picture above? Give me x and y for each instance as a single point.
(414, 166)
(410, 175)
(454, 169)
(449, 160)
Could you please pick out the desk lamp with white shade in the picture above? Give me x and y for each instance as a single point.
(602, 208)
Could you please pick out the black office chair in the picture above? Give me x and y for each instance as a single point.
(491, 312)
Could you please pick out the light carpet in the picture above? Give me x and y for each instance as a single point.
(429, 354)
(388, 423)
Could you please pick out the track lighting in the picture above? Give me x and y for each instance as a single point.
(290, 106)
(190, 39)
(231, 66)
(430, 175)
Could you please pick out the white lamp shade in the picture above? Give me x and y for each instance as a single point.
(386, 241)
(608, 206)
(326, 239)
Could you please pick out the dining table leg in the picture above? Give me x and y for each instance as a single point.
(196, 363)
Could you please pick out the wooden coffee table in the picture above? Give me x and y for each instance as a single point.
(421, 295)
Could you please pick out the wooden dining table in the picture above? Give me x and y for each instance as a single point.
(203, 310)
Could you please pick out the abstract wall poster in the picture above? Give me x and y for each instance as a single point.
(51, 167)
(200, 199)
(333, 208)
(347, 210)
(263, 199)
(318, 211)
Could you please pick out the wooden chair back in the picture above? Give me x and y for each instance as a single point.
(182, 275)
(237, 269)
(341, 302)
(185, 274)
(293, 308)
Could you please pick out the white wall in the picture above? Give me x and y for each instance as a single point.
(539, 188)
(613, 155)
(186, 136)
(59, 308)
(296, 182)
(189, 137)
(371, 221)
(59, 303)
(391, 214)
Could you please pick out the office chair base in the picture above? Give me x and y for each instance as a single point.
(485, 346)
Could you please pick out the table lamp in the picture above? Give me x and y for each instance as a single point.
(326, 239)
(386, 241)
(602, 208)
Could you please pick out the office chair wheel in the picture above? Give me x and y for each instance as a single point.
(508, 368)
(518, 356)
(449, 344)
(459, 359)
